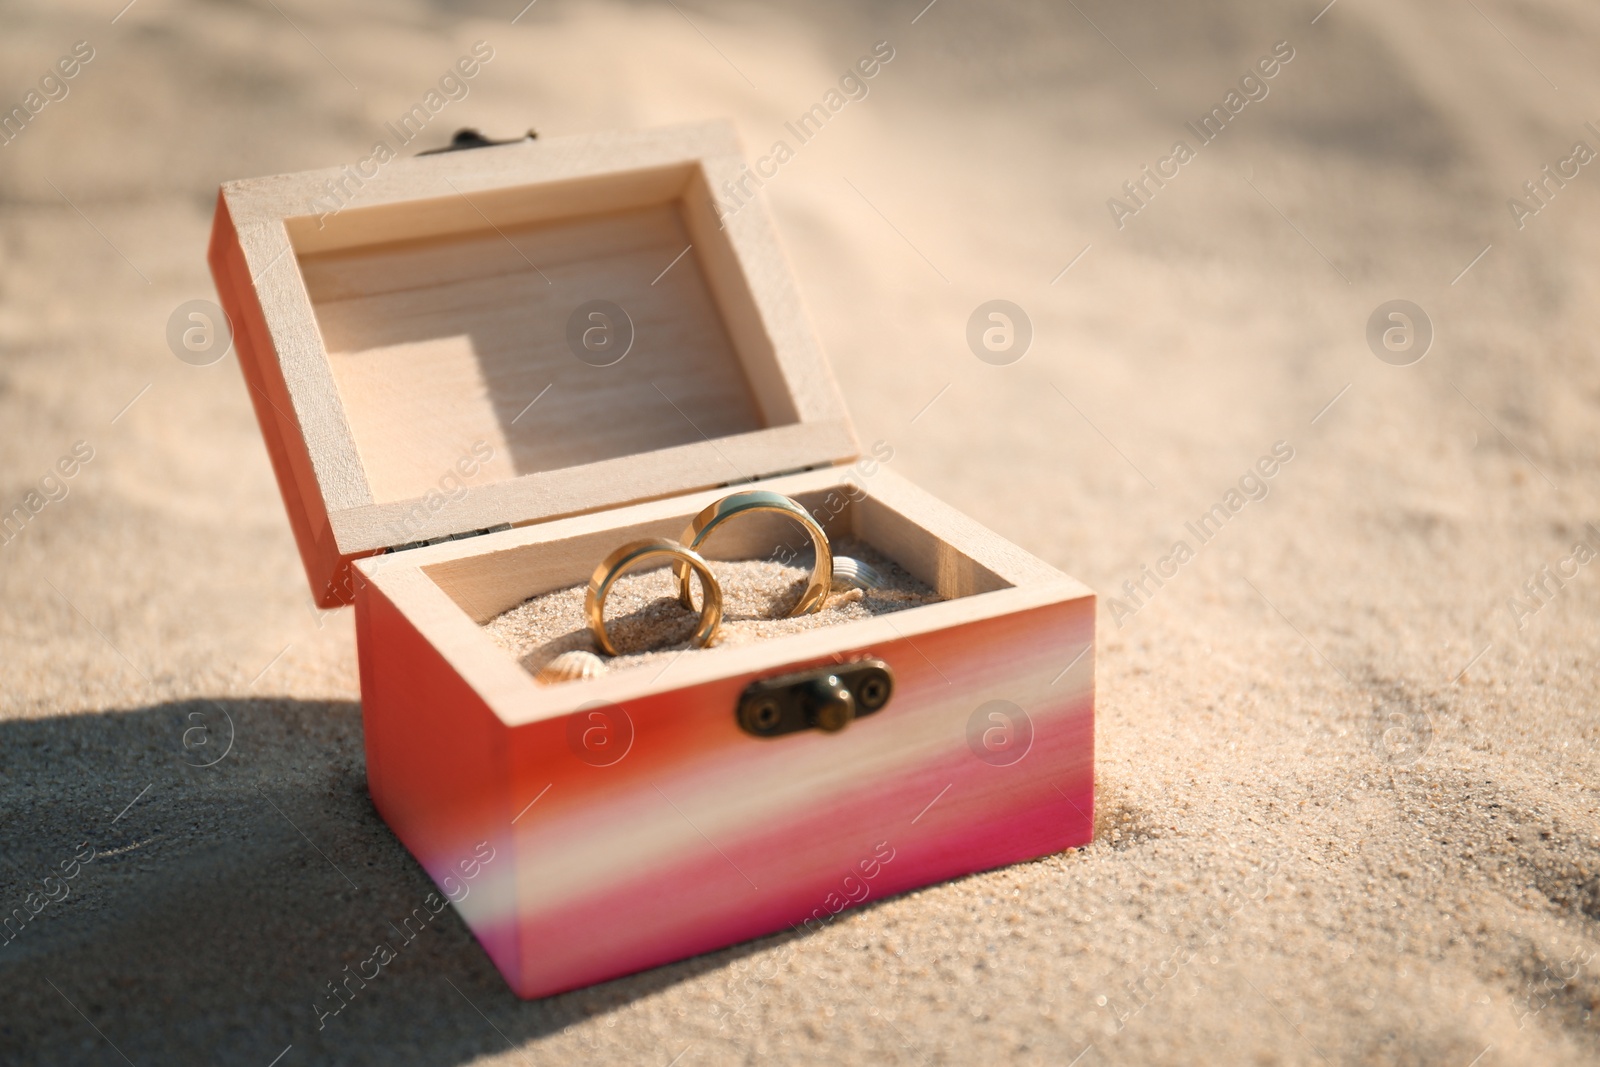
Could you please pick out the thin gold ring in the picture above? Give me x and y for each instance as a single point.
(612, 567)
(762, 500)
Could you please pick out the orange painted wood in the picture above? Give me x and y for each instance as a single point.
(636, 823)
(327, 570)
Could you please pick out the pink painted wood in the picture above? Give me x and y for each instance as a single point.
(699, 835)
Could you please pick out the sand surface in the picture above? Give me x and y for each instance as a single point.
(650, 628)
(1347, 788)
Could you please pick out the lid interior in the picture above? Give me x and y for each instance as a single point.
(511, 334)
(496, 340)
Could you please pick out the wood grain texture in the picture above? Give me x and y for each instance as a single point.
(943, 548)
(441, 345)
(420, 321)
(750, 260)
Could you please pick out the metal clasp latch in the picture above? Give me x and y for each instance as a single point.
(470, 138)
(824, 698)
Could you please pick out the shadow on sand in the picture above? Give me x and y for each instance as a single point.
(222, 899)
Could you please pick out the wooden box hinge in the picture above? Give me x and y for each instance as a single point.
(772, 474)
(452, 537)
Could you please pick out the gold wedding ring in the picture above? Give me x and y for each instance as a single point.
(612, 567)
(762, 500)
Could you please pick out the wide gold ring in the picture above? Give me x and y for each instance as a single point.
(762, 500)
(612, 567)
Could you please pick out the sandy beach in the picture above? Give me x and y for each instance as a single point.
(1347, 759)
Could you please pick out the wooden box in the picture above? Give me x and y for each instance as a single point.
(448, 444)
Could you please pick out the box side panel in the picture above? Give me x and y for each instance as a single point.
(436, 770)
(291, 464)
(659, 830)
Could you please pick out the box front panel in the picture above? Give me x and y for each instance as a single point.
(657, 830)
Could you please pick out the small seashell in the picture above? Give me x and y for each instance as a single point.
(570, 666)
(853, 574)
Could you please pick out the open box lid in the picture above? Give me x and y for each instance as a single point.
(449, 344)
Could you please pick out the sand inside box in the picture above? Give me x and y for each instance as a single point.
(648, 625)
